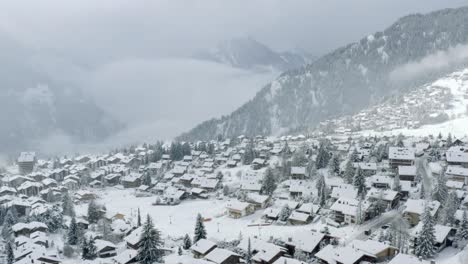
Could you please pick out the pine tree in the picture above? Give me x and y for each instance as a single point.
(93, 212)
(9, 253)
(284, 213)
(319, 184)
(359, 182)
(424, 247)
(179, 251)
(200, 231)
(84, 249)
(359, 212)
(447, 217)
(269, 182)
(92, 254)
(248, 254)
(354, 155)
(68, 207)
(440, 192)
(422, 192)
(73, 232)
(349, 172)
(139, 217)
(335, 165)
(146, 179)
(249, 154)
(323, 195)
(449, 141)
(10, 220)
(463, 227)
(149, 251)
(322, 157)
(299, 159)
(187, 242)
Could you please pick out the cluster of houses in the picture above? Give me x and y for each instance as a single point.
(40, 183)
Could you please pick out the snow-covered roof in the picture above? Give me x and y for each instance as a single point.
(344, 190)
(370, 246)
(27, 157)
(125, 256)
(440, 231)
(283, 260)
(298, 170)
(457, 154)
(203, 246)
(308, 207)
(134, 237)
(398, 153)
(457, 171)
(298, 216)
(346, 255)
(348, 206)
(416, 206)
(219, 255)
(237, 205)
(102, 244)
(407, 170)
(386, 195)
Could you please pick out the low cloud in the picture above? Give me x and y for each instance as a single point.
(437, 61)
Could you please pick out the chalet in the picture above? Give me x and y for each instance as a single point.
(301, 188)
(134, 238)
(343, 190)
(26, 162)
(378, 250)
(112, 179)
(308, 208)
(367, 168)
(257, 200)
(223, 256)
(126, 257)
(272, 213)
(407, 173)
(202, 248)
(238, 209)
(349, 255)
(298, 173)
(389, 197)
(457, 155)
(231, 164)
(132, 180)
(415, 208)
(26, 229)
(5, 191)
(380, 181)
(401, 157)
(263, 252)
(306, 241)
(30, 188)
(299, 218)
(345, 210)
(258, 163)
(441, 234)
(84, 196)
(105, 249)
(457, 173)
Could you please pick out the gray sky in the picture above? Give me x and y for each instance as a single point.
(132, 56)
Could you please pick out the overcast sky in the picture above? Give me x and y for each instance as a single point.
(132, 56)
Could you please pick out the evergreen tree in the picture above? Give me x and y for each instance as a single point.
(447, 217)
(92, 254)
(10, 220)
(354, 155)
(84, 249)
(139, 217)
(424, 246)
(396, 183)
(359, 182)
(93, 212)
(360, 212)
(149, 251)
(200, 231)
(319, 184)
(179, 251)
(463, 227)
(284, 213)
(269, 182)
(322, 157)
(146, 179)
(187, 242)
(449, 141)
(399, 141)
(334, 165)
(249, 154)
(440, 192)
(299, 158)
(9, 253)
(323, 195)
(73, 236)
(68, 207)
(248, 254)
(349, 172)
(422, 192)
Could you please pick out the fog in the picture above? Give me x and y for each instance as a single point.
(135, 58)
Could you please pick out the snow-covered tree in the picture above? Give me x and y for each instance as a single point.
(68, 207)
(93, 212)
(284, 213)
(425, 241)
(299, 158)
(354, 155)
(440, 191)
(359, 182)
(449, 141)
(269, 182)
(447, 216)
(323, 156)
(396, 183)
(349, 172)
(187, 242)
(10, 257)
(334, 165)
(463, 227)
(73, 235)
(248, 254)
(146, 179)
(249, 154)
(149, 251)
(422, 192)
(200, 231)
(10, 220)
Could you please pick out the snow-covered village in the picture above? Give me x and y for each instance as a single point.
(234, 132)
(292, 199)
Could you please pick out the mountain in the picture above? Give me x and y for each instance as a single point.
(36, 105)
(350, 78)
(248, 53)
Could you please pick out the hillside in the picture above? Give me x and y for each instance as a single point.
(346, 80)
